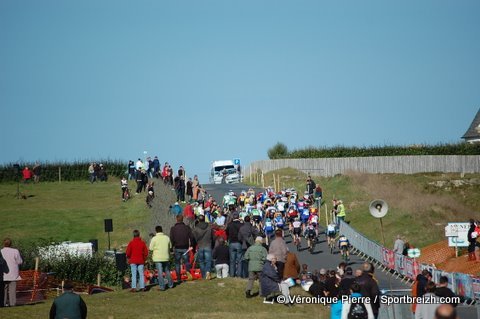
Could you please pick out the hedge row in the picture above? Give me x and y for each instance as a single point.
(70, 267)
(278, 151)
(68, 171)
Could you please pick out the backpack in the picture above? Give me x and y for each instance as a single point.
(357, 311)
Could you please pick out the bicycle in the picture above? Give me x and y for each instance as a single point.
(311, 243)
(331, 244)
(345, 253)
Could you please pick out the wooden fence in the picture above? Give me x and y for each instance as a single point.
(378, 164)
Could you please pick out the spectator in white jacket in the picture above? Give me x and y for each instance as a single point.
(426, 309)
(14, 260)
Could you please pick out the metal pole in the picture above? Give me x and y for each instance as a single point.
(389, 277)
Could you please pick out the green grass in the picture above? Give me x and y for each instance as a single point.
(417, 209)
(218, 298)
(70, 211)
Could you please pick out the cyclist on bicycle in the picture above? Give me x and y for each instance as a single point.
(344, 245)
(331, 232)
(269, 228)
(124, 186)
(314, 219)
(278, 220)
(311, 235)
(296, 226)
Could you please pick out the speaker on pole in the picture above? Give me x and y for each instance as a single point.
(108, 225)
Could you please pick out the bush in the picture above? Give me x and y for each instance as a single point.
(386, 150)
(75, 171)
(66, 266)
(279, 150)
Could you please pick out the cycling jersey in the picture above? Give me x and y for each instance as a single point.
(331, 229)
(313, 219)
(311, 232)
(305, 215)
(297, 224)
(279, 221)
(343, 241)
(268, 225)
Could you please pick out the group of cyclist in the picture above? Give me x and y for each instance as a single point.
(295, 214)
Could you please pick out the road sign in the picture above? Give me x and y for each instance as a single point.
(414, 253)
(236, 161)
(457, 234)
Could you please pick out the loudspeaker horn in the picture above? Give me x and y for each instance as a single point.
(378, 208)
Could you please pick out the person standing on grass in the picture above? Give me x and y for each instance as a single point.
(68, 305)
(204, 237)
(37, 171)
(235, 246)
(3, 270)
(256, 256)
(182, 241)
(27, 174)
(190, 189)
(161, 246)
(137, 253)
(398, 245)
(14, 260)
(278, 247)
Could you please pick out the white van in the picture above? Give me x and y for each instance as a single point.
(217, 170)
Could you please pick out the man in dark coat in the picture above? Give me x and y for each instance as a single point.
(182, 240)
(369, 287)
(68, 305)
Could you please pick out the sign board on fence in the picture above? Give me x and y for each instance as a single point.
(457, 234)
(414, 253)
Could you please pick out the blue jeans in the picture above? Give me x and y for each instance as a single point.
(244, 273)
(161, 267)
(179, 255)
(236, 254)
(205, 260)
(134, 268)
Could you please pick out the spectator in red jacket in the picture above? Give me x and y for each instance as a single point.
(27, 174)
(137, 253)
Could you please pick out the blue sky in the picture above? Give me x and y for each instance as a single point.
(196, 81)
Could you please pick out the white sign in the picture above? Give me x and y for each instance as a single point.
(66, 248)
(457, 234)
(413, 253)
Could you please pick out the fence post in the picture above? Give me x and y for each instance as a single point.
(59, 174)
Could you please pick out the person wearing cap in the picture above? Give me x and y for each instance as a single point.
(203, 235)
(176, 210)
(235, 246)
(256, 255)
(68, 305)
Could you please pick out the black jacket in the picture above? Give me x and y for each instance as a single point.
(181, 236)
(369, 288)
(221, 255)
(232, 231)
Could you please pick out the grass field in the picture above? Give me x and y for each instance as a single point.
(420, 205)
(71, 211)
(214, 299)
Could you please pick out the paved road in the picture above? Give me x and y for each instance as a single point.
(321, 257)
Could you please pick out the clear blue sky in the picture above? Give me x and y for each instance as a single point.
(196, 81)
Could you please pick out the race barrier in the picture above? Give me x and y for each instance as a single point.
(464, 285)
